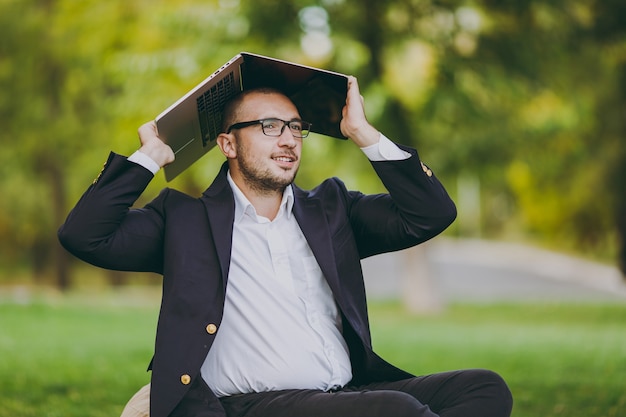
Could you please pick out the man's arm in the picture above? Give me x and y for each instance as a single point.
(354, 124)
(153, 147)
(417, 207)
(102, 229)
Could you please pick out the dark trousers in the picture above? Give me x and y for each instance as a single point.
(466, 393)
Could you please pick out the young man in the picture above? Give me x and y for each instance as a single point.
(263, 310)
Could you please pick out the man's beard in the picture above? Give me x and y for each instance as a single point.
(261, 180)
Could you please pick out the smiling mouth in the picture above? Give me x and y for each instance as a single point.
(287, 159)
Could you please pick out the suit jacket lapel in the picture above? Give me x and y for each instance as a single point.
(310, 216)
(220, 206)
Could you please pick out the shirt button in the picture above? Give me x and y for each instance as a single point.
(185, 379)
(211, 328)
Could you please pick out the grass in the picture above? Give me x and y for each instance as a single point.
(73, 356)
(85, 356)
(559, 360)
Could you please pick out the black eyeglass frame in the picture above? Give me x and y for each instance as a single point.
(261, 122)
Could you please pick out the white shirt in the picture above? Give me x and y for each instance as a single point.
(281, 327)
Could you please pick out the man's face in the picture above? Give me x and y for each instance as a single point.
(266, 164)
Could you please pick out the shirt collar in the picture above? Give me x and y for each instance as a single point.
(244, 206)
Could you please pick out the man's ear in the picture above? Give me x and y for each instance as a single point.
(226, 143)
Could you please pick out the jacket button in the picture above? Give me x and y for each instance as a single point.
(100, 174)
(426, 169)
(211, 328)
(185, 379)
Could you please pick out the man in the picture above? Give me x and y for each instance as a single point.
(263, 310)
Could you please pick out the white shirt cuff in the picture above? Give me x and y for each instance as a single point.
(145, 161)
(385, 150)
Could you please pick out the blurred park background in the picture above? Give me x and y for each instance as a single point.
(519, 107)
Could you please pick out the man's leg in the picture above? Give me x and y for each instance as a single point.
(470, 393)
(315, 403)
(465, 393)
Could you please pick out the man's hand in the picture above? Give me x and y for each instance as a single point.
(153, 146)
(354, 124)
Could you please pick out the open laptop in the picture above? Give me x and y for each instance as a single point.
(191, 125)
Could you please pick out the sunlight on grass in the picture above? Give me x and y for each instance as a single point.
(565, 360)
(79, 356)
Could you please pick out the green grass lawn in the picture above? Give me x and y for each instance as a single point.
(559, 360)
(85, 356)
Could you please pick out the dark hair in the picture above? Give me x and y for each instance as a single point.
(232, 106)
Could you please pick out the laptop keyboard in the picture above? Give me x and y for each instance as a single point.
(211, 107)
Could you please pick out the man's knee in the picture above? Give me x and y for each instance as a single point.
(407, 406)
(494, 388)
(397, 404)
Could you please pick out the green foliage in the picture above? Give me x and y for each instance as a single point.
(84, 355)
(526, 97)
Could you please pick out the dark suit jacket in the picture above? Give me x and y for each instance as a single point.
(188, 241)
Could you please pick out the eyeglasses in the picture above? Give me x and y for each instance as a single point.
(275, 127)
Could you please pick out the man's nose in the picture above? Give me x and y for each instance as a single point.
(287, 138)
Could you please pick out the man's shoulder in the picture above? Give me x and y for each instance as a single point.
(173, 198)
(178, 194)
(328, 186)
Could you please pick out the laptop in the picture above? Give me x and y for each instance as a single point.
(191, 125)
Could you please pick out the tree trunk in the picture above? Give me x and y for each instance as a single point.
(419, 292)
(58, 191)
(619, 179)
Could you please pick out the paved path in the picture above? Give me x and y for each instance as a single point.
(481, 271)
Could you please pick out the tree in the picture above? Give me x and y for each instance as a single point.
(609, 32)
(57, 92)
(525, 97)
